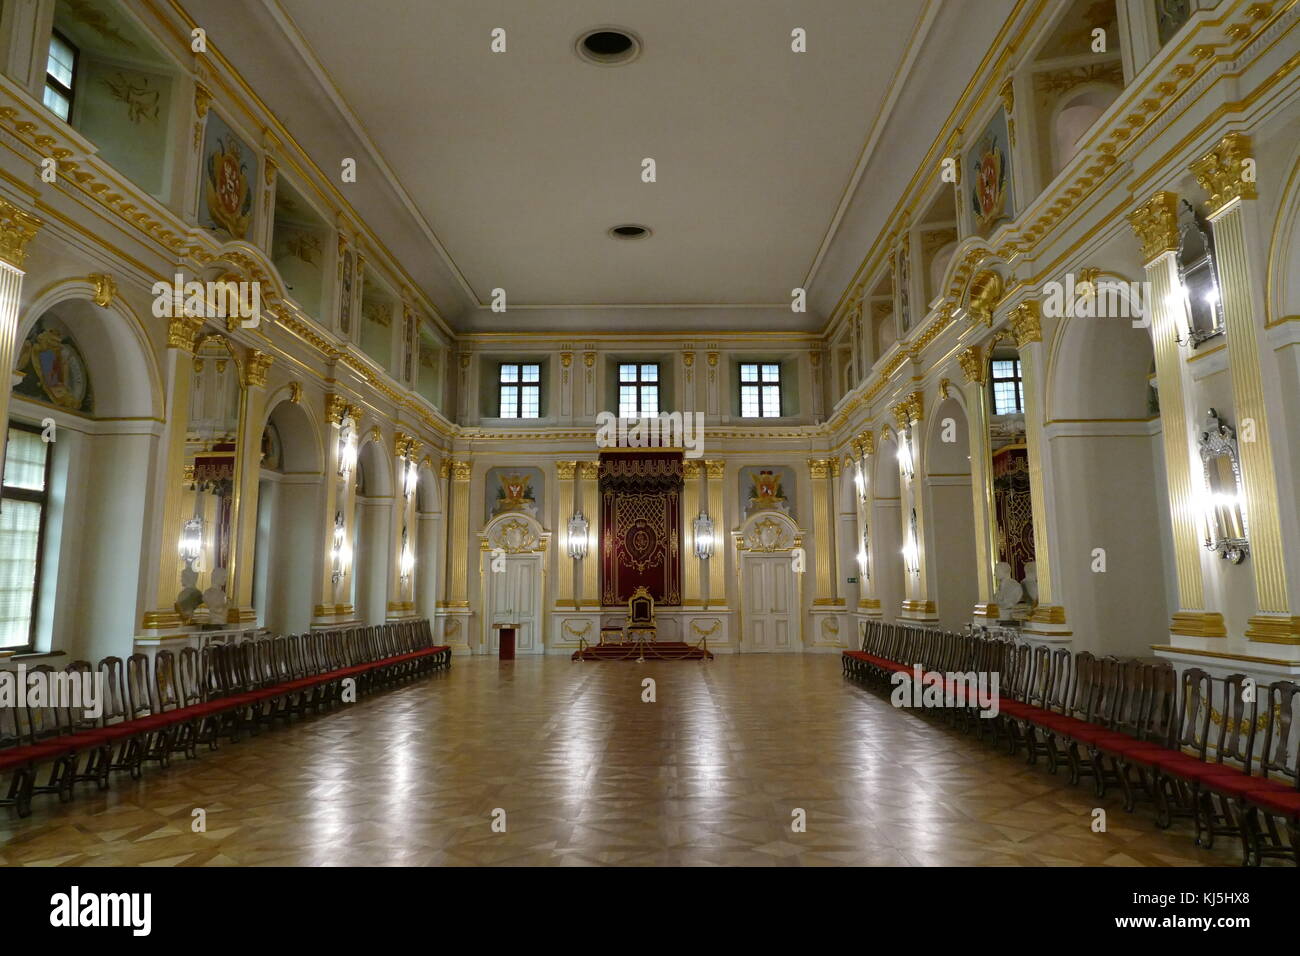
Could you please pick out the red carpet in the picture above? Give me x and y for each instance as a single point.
(657, 651)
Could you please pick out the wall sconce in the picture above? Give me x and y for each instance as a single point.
(702, 527)
(1222, 492)
(577, 531)
(864, 555)
(191, 543)
(911, 549)
(338, 548)
(407, 562)
(860, 482)
(905, 453)
(411, 479)
(347, 450)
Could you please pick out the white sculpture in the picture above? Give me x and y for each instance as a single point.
(215, 597)
(1030, 582)
(1008, 592)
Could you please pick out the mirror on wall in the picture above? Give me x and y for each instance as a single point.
(211, 457)
(1198, 277)
(1223, 496)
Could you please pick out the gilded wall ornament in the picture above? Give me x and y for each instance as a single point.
(17, 229)
(983, 295)
(105, 289)
(1155, 223)
(1226, 172)
(1027, 322)
(973, 365)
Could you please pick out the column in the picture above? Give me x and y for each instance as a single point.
(1048, 618)
(1155, 223)
(864, 448)
(819, 470)
(714, 471)
(564, 472)
(1233, 218)
(588, 475)
(340, 508)
(975, 367)
(17, 229)
(404, 544)
(691, 586)
(917, 605)
(248, 466)
(458, 538)
(178, 373)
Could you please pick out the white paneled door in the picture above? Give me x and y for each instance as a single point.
(515, 596)
(770, 604)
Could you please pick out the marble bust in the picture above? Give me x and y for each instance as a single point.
(1030, 582)
(1007, 590)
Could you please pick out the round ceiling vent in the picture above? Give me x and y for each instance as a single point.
(629, 231)
(608, 46)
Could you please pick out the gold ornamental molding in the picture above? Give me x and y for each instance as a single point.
(588, 470)
(17, 229)
(909, 410)
(691, 469)
(1047, 614)
(255, 368)
(1198, 624)
(1027, 322)
(984, 294)
(1226, 173)
(566, 359)
(988, 610)
(295, 392)
(868, 441)
(714, 469)
(1273, 629)
(460, 470)
(819, 467)
(105, 289)
(1155, 223)
(973, 365)
(564, 470)
(406, 446)
(183, 332)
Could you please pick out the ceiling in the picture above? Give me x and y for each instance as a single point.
(521, 161)
(512, 166)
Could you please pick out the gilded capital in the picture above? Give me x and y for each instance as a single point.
(819, 467)
(691, 469)
(589, 359)
(255, 367)
(868, 441)
(17, 229)
(202, 100)
(1155, 223)
(566, 359)
(403, 444)
(909, 410)
(564, 470)
(1227, 172)
(983, 295)
(336, 409)
(588, 470)
(460, 470)
(973, 365)
(183, 332)
(1027, 322)
(688, 359)
(714, 469)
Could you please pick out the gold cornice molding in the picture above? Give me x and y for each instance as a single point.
(1155, 223)
(1221, 172)
(1027, 322)
(17, 229)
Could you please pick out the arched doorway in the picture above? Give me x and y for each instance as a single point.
(950, 519)
(771, 614)
(288, 527)
(514, 564)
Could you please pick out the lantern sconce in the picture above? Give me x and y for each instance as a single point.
(191, 543)
(905, 453)
(578, 530)
(407, 563)
(702, 527)
(411, 478)
(347, 449)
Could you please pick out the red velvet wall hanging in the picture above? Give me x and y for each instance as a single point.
(640, 525)
(1011, 504)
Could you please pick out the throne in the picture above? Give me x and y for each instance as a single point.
(641, 616)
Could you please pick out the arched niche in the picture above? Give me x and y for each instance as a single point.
(886, 552)
(428, 536)
(1072, 116)
(1108, 495)
(372, 531)
(88, 598)
(950, 517)
(288, 549)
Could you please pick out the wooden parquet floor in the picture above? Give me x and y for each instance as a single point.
(711, 773)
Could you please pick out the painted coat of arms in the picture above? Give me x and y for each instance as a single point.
(767, 492)
(53, 370)
(989, 162)
(227, 190)
(515, 493)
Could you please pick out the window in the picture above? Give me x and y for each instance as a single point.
(22, 521)
(521, 391)
(1008, 389)
(760, 391)
(60, 69)
(638, 391)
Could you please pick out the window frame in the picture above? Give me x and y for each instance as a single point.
(518, 386)
(70, 90)
(760, 385)
(1017, 378)
(41, 498)
(639, 384)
